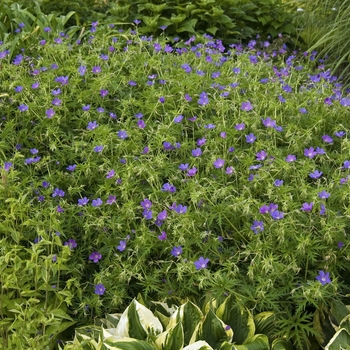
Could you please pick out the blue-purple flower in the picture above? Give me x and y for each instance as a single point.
(201, 263)
(219, 163)
(246, 106)
(323, 277)
(95, 257)
(258, 226)
(176, 251)
(122, 245)
(100, 289)
(307, 206)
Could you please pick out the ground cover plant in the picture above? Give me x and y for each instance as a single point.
(131, 164)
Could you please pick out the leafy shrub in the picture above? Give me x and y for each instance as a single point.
(227, 325)
(174, 169)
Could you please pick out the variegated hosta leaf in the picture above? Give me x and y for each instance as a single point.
(189, 315)
(258, 342)
(136, 322)
(213, 331)
(171, 339)
(339, 341)
(198, 345)
(238, 317)
(127, 344)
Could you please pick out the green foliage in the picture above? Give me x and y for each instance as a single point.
(230, 20)
(206, 332)
(33, 307)
(81, 150)
(323, 27)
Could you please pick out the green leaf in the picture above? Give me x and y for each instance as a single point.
(172, 339)
(339, 341)
(238, 317)
(127, 344)
(258, 342)
(212, 330)
(281, 344)
(198, 345)
(189, 315)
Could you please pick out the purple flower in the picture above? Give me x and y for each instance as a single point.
(181, 209)
(57, 192)
(63, 80)
(236, 70)
(196, 152)
(246, 106)
(168, 188)
(122, 134)
(82, 201)
(188, 98)
(71, 243)
(111, 200)
(230, 170)
(186, 67)
(201, 263)
(307, 206)
(110, 174)
(162, 236)
(261, 155)
(23, 108)
(258, 226)
(320, 150)
(176, 251)
(49, 113)
(146, 204)
(86, 108)
(100, 109)
(290, 158)
(345, 102)
(96, 69)
(323, 194)
(215, 75)
(56, 102)
(340, 244)
(97, 202)
(95, 257)
(323, 277)
(98, 149)
(141, 124)
(192, 171)
(219, 163)
(18, 88)
(71, 167)
(82, 70)
(162, 215)
(346, 164)
(303, 110)
(35, 85)
(45, 184)
(203, 99)
(7, 166)
(277, 215)
(310, 152)
(240, 126)
(103, 93)
(178, 119)
(92, 125)
(316, 174)
(210, 126)
(100, 289)
(339, 133)
(323, 209)
(269, 123)
(122, 245)
(183, 167)
(327, 139)
(278, 183)
(161, 99)
(250, 138)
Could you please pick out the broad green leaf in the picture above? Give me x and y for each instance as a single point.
(171, 339)
(338, 311)
(339, 341)
(258, 342)
(198, 345)
(189, 315)
(238, 317)
(127, 344)
(135, 322)
(281, 344)
(212, 330)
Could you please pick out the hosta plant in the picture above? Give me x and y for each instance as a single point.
(226, 326)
